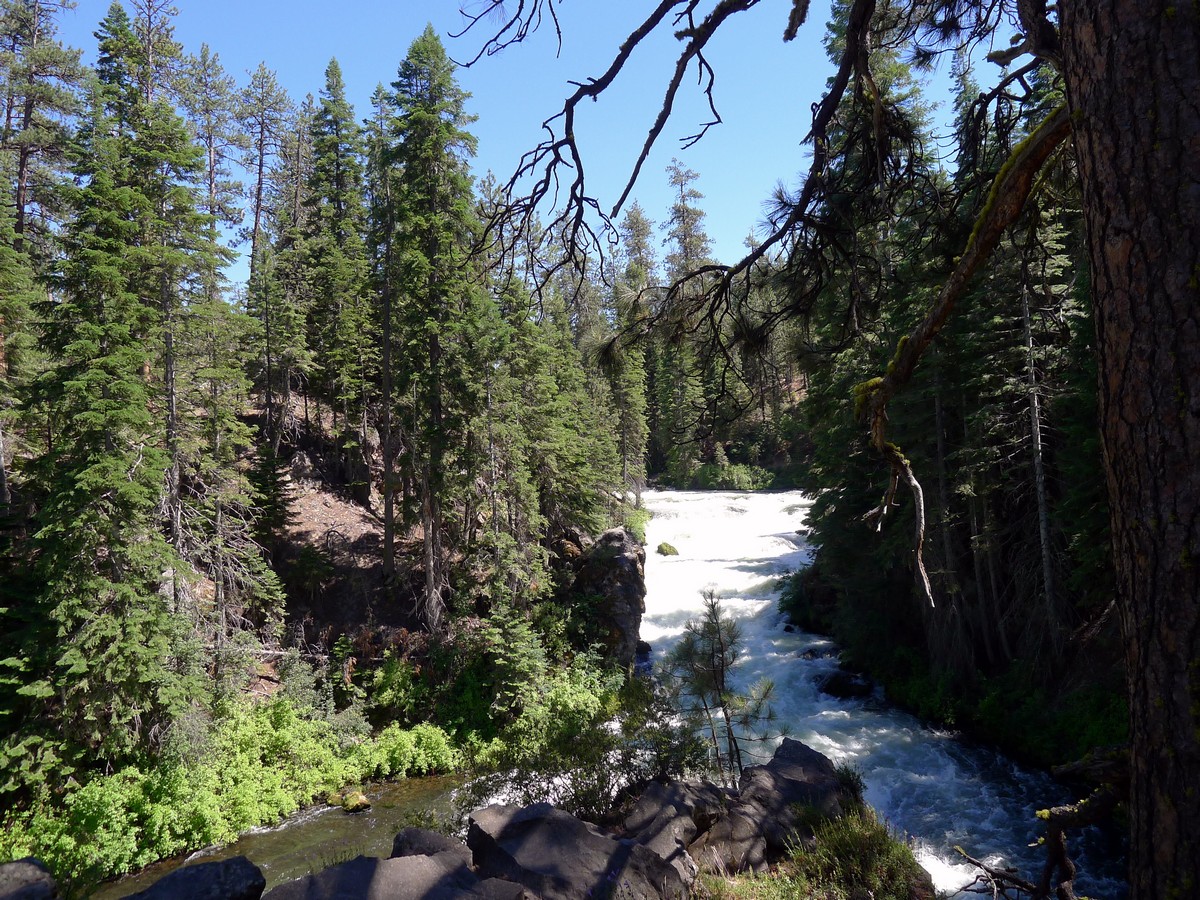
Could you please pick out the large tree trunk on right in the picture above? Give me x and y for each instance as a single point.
(1133, 77)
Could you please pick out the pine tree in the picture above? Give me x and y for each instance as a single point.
(263, 111)
(381, 240)
(436, 298)
(17, 297)
(104, 666)
(340, 320)
(39, 81)
(683, 419)
(222, 516)
(209, 99)
(279, 293)
(628, 367)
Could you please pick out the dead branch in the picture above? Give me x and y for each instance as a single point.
(524, 21)
(1058, 874)
(559, 153)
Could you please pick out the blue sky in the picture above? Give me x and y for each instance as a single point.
(764, 86)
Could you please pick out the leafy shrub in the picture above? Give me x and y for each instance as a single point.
(635, 521)
(396, 692)
(583, 742)
(262, 762)
(731, 477)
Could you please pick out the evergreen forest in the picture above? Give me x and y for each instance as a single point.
(264, 538)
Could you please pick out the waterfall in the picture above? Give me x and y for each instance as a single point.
(926, 783)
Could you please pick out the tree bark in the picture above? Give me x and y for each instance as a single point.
(1133, 82)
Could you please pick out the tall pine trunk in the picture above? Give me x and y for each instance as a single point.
(5, 492)
(26, 152)
(1133, 81)
(387, 439)
(1053, 626)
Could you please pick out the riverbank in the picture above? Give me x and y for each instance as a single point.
(796, 821)
(317, 837)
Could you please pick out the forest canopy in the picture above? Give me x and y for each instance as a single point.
(982, 367)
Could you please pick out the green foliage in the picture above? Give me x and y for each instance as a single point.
(804, 603)
(396, 692)
(1013, 709)
(260, 763)
(665, 549)
(731, 477)
(112, 649)
(696, 676)
(851, 856)
(850, 784)
(583, 741)
(635, 522)
(856, 853)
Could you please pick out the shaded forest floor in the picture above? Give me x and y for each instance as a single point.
(329, 554)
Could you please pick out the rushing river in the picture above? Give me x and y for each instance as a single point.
(929, 785)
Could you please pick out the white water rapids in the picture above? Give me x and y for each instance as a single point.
(928, 785)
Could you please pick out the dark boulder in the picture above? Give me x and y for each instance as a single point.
(667, 818)
(734, 843)
(703, 803)
(797, 785)
(225, 879)
(727, 831)
(442, 876)
(27, 879)
(558, 857)
(613, 570)
(844, 685)
(423, 842)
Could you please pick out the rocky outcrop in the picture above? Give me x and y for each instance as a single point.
(225, 879)
(613, 570)
(668, 817)
(673, 832)
(797, 786)
(558, 857)
(27, 879)
(725, 831)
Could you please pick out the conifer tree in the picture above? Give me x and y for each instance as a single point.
(381, 241)
(223, 516)
(681, 405)
(628, 363)
(208, 96)
(103, 641)
(17, 297)
(340, 321)
(437, 298)
(39, 78)
(263, 112)
(279, 293)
